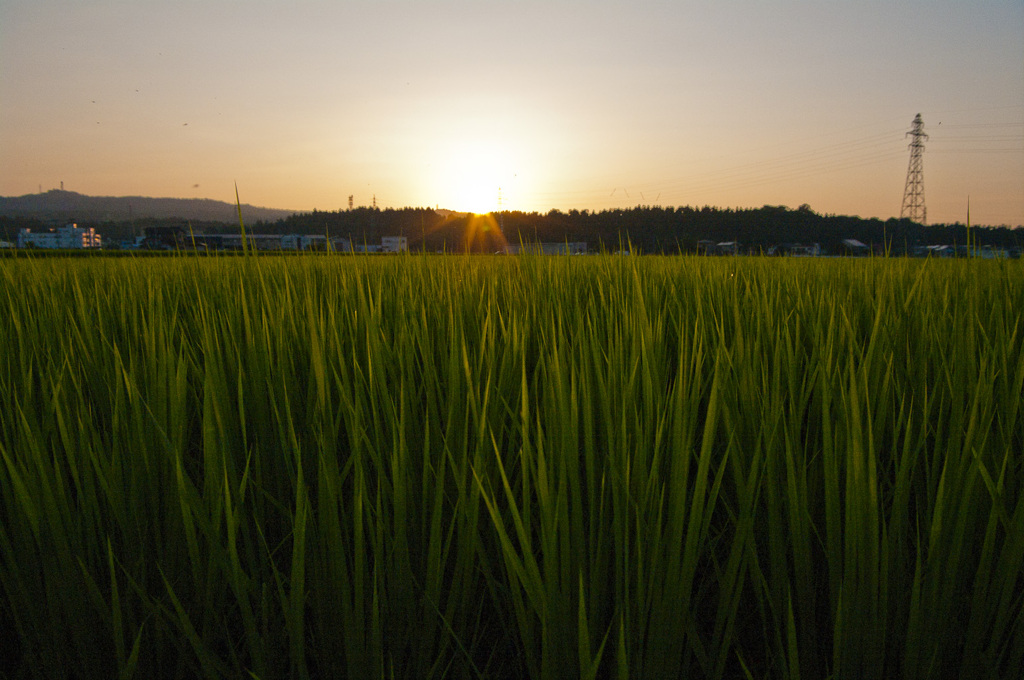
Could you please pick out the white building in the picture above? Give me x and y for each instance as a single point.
(66, 237)
(394, 244)
(388, 244)
(314, 242)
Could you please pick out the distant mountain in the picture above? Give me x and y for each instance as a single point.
(67, 206)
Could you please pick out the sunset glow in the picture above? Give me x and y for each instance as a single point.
(560, 105)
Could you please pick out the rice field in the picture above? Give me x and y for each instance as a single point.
(498, 467)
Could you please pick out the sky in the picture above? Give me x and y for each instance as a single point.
(527, 106)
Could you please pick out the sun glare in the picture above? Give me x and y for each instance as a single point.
(482, 154)
(476, 192)
(473, 176)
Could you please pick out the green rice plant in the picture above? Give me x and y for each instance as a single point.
(511, 467)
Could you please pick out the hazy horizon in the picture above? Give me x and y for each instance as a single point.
(562, 104)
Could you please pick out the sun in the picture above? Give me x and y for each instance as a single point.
(475, 189)
(473, 175)
(477, 149)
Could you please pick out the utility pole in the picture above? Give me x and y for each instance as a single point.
(501, 217)
(913, 191)
(970, 252)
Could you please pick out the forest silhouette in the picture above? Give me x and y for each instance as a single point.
(648, 229)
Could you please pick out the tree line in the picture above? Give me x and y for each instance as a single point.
(648, 229)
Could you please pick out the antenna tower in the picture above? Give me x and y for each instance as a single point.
(351, 199)
(913, 191)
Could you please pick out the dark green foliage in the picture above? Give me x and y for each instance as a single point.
(650, 229)
(511, 467)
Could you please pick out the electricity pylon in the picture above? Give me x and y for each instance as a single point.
(913, 191)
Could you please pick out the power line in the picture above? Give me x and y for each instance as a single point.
(679, 182)
(876, 148)
(872, 151)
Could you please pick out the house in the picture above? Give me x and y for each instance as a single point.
(852, 246)
(394, 244)
(934, 251)
(991, 253)
(795, 250)
(341, 245)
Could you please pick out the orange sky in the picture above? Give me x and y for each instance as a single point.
(560, 104)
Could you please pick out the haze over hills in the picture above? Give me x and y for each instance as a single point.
(66, 206)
